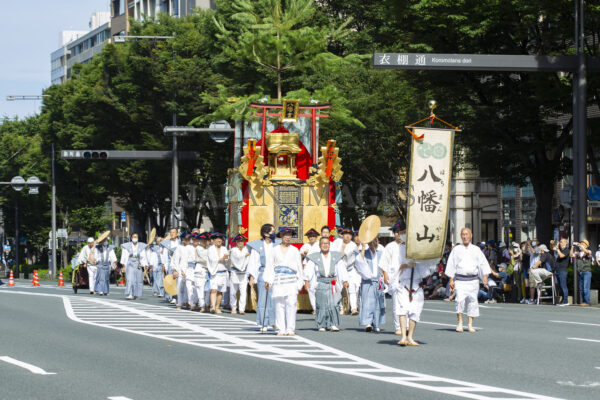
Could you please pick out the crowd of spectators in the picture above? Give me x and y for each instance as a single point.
(522, 270)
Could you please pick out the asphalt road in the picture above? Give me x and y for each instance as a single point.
(105, 347)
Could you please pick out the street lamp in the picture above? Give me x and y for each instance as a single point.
(18, 183)
(219, 131)
(14, 97)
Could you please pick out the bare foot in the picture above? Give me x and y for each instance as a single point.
(459, 329)
(472, 330)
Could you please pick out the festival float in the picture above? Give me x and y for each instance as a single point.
(282, 175)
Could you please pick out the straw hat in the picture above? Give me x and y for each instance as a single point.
(170, 285)
(369, 229)
(102, 237)
(152, 236)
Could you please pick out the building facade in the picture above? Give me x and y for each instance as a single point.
(122, 11)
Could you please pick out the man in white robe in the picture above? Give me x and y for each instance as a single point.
(218, 266)
(283, 274)
(466, 266)
(86, 257)
(329, 270)
(259, 254)
(133, 258)
(179, 265)
(394, 256)
(309, 248)
(368, 266)
(169, 245)
(106, 259)
(348, 248)
(201, 271)
(238, 256)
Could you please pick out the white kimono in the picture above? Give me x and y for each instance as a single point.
(407, 300)
(218, 270)
(349, 250)
(84, 257)
(312, 283)
(467, 265)
(284, 274)
(238, 277)
(180, 260)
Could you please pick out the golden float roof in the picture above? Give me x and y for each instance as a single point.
(278, 142)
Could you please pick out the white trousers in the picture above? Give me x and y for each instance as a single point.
(285, 313)
(466, 296)
(181, 291)
(394, 311)
(404, 307)
(233, 289)
(91, 269)
(312, 294)
(353, 289)
(199, 295)
(192, 294)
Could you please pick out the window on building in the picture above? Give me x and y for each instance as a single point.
(509, 213)
(509, 192)
(488, 229)
(118, 7)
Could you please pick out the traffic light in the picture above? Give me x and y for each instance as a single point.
(95, 154)
(85, 154)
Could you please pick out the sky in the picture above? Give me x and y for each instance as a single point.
(30, 32)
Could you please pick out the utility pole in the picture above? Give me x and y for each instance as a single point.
(17, 240)
(53, 238)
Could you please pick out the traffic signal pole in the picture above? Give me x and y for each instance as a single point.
(53, 238)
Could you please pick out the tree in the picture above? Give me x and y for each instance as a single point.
(278, 35)
(505, 116)
(122, 100)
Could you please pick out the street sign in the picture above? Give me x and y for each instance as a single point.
(7, 248)
(593, 193)
(593, 204)
(123, 216)
(17, 183)
(33, 183)
(476, 62)
(62, 233)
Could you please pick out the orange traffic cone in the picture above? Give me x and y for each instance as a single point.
(11, 280)
(36, 280)
(60, 280)
(121, 282)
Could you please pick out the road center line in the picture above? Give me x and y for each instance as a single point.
(575, 323)
(31, 368)
(584, 340)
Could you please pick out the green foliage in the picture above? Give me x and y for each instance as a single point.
(92, 220)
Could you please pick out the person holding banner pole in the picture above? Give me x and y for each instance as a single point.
(466, 266)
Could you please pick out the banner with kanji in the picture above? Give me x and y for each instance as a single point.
(429, 192)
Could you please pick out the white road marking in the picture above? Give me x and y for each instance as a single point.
(442, 311)
(199, 330)
(597, 367)
(585, 384)
(575, 323)
(118, 398)
(31, 368)
(584, 340)
(440, 324)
